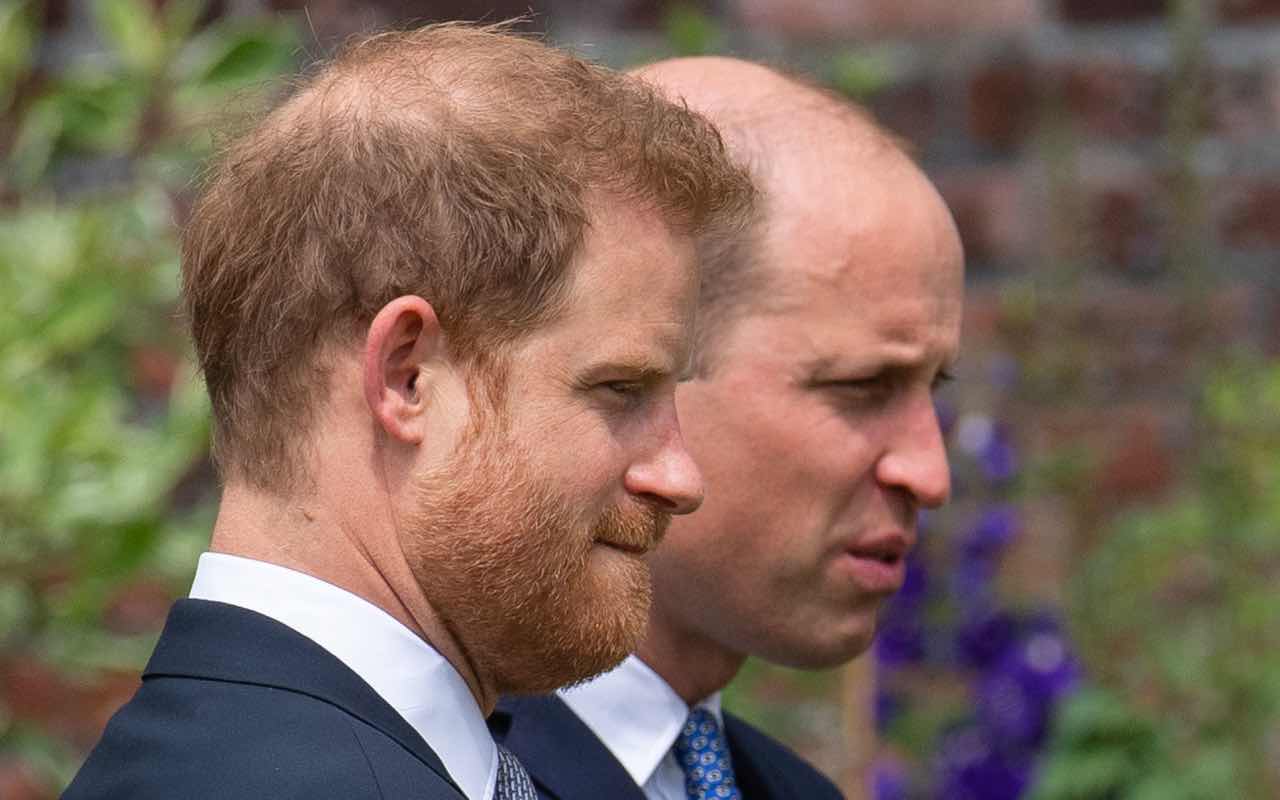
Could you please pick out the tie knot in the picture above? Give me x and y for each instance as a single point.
(704, 757)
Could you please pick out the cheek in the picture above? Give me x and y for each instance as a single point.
(581, 456)
(778, 460)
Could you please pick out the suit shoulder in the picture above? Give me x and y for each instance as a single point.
(767, 754)
(219, 740)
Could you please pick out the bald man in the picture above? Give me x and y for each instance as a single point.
(824, 331)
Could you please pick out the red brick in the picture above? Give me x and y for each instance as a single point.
(823, 19)
(1140, 463)
(983, 315)
(1126, 227)
(1235, 11)
(1243, 102)
(1106, 11)
(154, 369)
(1002, 103)
(73, 710)
(989, 209)
(96, 703)
(1251, 214)
(31, 690)
(139, 607)
(1113, 99)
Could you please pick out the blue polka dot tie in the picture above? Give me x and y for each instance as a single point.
(704, 756)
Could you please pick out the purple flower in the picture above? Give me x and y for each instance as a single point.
(998, 458)
(1016, 698)
(970, 768)
(889, 781)
(995, 529)
(915, 584)
(900, 640)
(971, 584)
(985, 637)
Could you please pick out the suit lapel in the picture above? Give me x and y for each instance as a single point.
(561, 754)
(217, 641)
(754, 777)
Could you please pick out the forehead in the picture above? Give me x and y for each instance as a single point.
(858, 253)
(632, 293)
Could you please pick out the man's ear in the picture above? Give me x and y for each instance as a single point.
(403, 341)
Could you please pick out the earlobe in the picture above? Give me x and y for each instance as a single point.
(403, 339)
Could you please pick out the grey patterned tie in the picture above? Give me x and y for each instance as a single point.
(513, 781)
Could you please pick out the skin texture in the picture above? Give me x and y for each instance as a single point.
(815, 426)
(587, 453)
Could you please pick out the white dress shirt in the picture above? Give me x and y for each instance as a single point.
(638, 717)
(418, 682)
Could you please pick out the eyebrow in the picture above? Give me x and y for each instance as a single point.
(635, 366)
(896, 367)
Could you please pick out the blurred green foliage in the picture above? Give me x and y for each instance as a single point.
(690, 31)
(103, 426)
(1176, 616)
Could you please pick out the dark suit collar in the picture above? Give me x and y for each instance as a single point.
(216, 641)
(559, 751)
(751, 771)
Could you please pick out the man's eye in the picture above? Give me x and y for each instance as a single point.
(625, 389)
(862, 384)
(943, 377)
(863, 391)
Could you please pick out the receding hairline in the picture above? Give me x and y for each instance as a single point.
(775, 124)
(370, 84)
(765, 112)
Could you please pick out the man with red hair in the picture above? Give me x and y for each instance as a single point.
(441, 298)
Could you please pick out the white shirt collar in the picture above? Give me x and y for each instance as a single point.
(419, 683)
(635, 713)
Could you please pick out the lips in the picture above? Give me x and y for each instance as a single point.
(878, 563)
(888, 547)
(627, 547)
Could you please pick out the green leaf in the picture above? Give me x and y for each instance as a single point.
(131, 29)
(180, 18)
(860, 74)
(17, 43)
(101, 114)
(690, 31)
(37, 138)
(225, 58)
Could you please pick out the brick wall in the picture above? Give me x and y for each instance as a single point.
(1049, 127)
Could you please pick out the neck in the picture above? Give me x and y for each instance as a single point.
(692, 664)
(349, 544)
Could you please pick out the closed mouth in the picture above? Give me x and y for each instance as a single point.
(634, 549)
(887, 549)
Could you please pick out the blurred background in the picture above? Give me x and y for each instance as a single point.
(1095, 616)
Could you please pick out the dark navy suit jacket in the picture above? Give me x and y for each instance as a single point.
(568, 762)
(236, 705)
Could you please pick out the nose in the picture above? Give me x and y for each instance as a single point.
(915, 459)
(667, 478)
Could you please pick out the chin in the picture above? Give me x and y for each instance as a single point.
(569, 643)
(826, 652)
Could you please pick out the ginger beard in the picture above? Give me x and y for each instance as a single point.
(515, 573)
